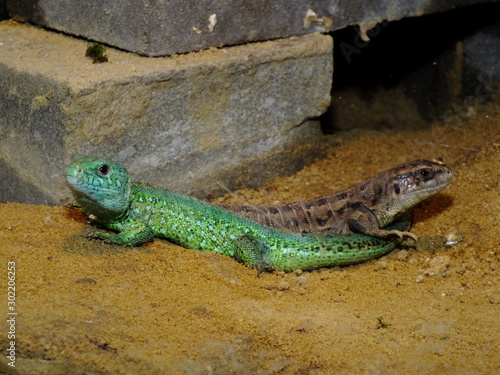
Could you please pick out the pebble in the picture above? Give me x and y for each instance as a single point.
(438, 266)
(302, 280)
(453, 237)
(402, 256)
(413, 261)
(283, 285)
(298, 272)
(419, 278)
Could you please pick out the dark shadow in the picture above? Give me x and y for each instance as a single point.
(416, 53)
(432, 207)
(3, 10)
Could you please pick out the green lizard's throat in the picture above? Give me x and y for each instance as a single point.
(109, 199)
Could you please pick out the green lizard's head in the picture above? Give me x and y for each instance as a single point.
(100, 186)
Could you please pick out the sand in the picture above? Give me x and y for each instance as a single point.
(427, 308)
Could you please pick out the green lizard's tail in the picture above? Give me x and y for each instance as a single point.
(312, 252)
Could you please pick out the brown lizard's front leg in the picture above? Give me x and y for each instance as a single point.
(363, 220)
(367, 207)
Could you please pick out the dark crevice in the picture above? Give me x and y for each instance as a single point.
(416, 52)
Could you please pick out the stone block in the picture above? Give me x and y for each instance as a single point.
(162, 27)
(482, 61)
(234, 116)
(407, 80)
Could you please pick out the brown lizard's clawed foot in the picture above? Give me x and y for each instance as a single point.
(401, 235)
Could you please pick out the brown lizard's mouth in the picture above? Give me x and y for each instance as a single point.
(425, 192)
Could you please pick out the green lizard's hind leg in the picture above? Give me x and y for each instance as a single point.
(250, 252)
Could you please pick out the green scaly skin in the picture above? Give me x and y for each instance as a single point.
(139, 212)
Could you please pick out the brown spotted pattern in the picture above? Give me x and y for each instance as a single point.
(363, 208)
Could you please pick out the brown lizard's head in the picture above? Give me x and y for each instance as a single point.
(412, 183)
(421, 178)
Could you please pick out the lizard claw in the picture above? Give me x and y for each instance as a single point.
(92, 235)
(95, 235)
(401, 235)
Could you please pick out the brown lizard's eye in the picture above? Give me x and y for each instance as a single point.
(103, 170)
(425, 173)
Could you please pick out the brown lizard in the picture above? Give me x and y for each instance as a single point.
(366, 207)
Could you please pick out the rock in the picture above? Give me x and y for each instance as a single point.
(159, 27)
(234, 117)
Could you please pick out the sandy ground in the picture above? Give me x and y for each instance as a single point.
(87, 308)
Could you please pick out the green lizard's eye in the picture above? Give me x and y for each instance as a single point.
(103, 170)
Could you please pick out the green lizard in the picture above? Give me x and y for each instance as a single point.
(139, 212)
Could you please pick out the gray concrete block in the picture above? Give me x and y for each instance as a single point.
(482, 53)
(237, 115)
(162, 27)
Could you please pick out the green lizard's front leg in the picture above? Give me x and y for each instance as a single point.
(130, 233)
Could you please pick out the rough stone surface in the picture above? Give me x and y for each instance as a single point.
(403, 79)
(236, 115)
(482, 54)
(162, 27)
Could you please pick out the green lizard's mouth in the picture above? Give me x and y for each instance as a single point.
(94, 191)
